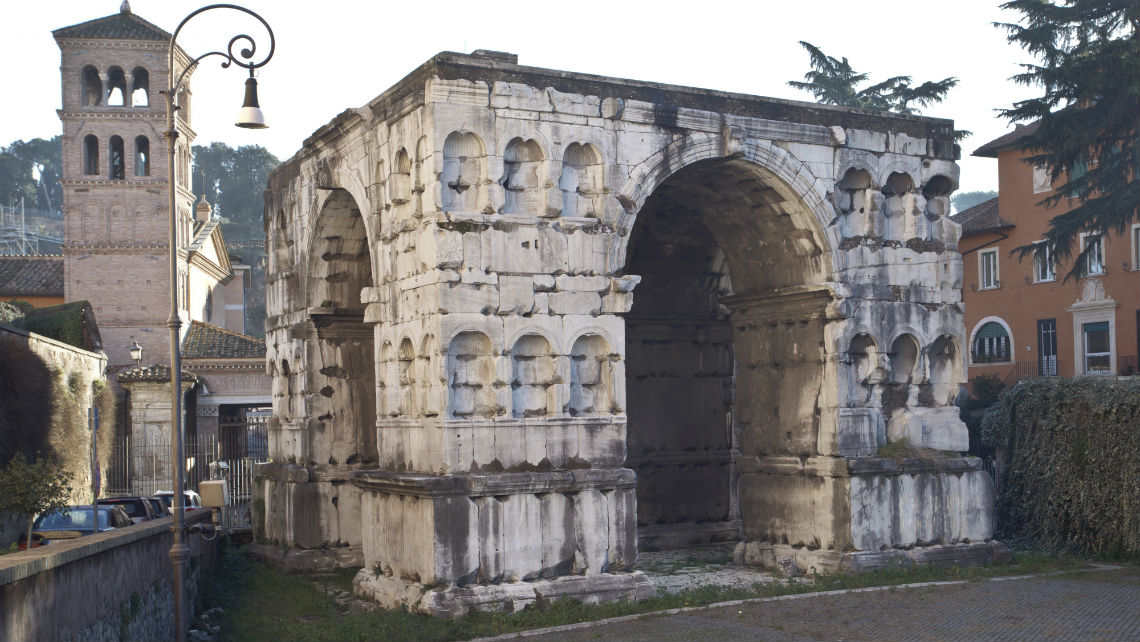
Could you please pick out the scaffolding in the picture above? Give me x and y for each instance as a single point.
(25, 231)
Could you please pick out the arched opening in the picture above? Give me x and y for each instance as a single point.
(464, 172)
(470, 376)
(116, 87)
(91, 154)
(342, 370)
(523, 178)
(142, 156)
(591, 376)
(140, 87)
(898, 208)
(724, 347)
(92, 87)
(400, 182)
(532, 377)
(581, 181)
(118, 164)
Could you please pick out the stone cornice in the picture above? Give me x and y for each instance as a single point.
(108, 43)
(113, 113)
(210, 268)
(70, 249)
(107, 183)
(786, 304)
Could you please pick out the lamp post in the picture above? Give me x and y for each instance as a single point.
(136, 353)
(250, 117)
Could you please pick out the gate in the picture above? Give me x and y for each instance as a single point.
(142, 467)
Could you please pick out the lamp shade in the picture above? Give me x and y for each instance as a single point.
(250, 116)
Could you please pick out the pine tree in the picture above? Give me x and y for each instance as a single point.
(1087, 118)
(833, 82)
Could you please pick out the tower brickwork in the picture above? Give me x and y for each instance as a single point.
(115, 199)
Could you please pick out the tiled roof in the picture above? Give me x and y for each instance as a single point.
(1001, 143)
(154, 372)
(982, 217)
(205, 341)
(31, 275)
(120, 26)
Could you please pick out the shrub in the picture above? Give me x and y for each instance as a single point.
(1070, 447)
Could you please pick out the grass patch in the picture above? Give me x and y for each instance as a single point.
(262, 603)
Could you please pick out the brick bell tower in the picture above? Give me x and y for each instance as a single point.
(116, 234)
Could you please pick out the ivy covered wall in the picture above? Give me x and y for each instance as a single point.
(1070, 450)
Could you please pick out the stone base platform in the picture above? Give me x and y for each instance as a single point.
(666, 536)
(296, 560)
(793, 560)
(455, 601)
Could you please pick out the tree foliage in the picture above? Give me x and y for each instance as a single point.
(234, 181)
(966, 200)
(32, 487)
(834, 82)
(31, 170)
(1087, 116)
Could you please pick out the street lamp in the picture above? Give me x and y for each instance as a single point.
(136, 353)
(249, 117)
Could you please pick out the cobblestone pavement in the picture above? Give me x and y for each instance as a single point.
(1086, 606)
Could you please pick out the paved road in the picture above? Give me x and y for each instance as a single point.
(1084, 607)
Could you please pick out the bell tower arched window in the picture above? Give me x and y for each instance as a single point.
(140, 87)
(142, 156)
(118, 171)
(90, 154)
(116, 87)
(92, 87)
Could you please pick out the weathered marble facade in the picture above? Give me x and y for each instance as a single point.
(518, 317)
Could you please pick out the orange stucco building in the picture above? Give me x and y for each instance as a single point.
(1022, 318)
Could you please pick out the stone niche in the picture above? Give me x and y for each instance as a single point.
(579, 317)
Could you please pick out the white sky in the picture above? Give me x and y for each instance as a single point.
(336, 54)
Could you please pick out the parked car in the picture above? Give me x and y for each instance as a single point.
(138, 508)
(192, 499)
(160, 509)
(74, 521)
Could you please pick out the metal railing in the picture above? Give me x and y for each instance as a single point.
(143, 467)
(1048, 367)
(1126, 365)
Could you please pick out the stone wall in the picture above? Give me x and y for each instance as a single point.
(69, 435)
(111, 586)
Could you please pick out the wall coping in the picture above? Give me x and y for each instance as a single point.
(4, 327)
(24, 564)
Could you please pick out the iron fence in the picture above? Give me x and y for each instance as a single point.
(142, 466)
(1126, 365)
(1047, 367)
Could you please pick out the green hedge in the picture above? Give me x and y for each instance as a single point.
(1071, 455)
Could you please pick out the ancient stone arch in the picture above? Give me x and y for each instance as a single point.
(614, 319)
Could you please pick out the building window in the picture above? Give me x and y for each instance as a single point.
(118, 171)
(1047, 347)
(140, 88)
(116, 87)
(90, 154)
(991, 344)
(142, 156)
(92, 87)
(1094, 260)
(988, 269)
(1098, 348)
(1042, 181)
(1136, 246)
(1044, 269)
